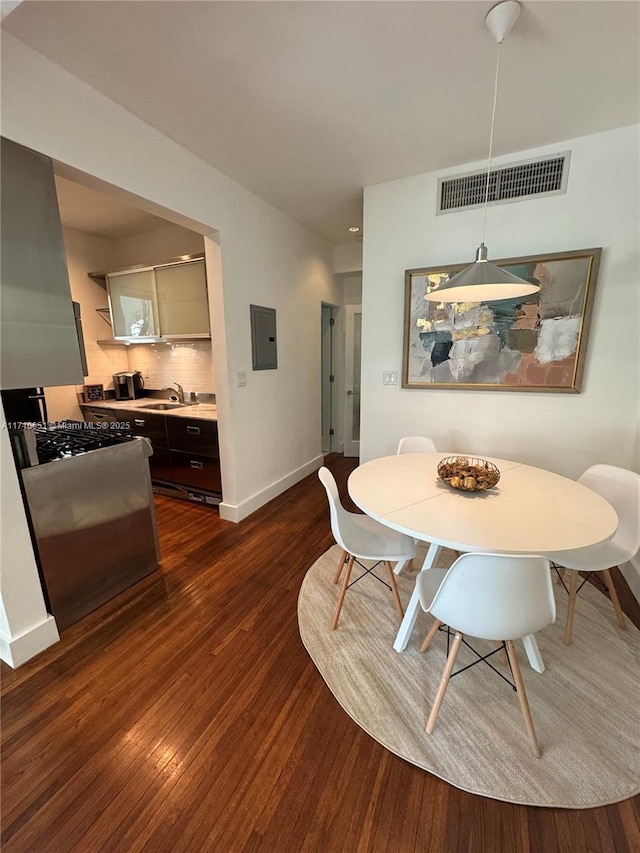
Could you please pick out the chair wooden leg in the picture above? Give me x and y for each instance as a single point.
(343, 592)
(522, 697)
(409, 566)
(433, 630)
(613, 595)
(444, 681)
(394, 588)
(343, 559)
(573, 591)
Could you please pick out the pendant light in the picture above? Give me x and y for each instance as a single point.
(483, 281)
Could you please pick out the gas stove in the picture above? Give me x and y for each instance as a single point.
(88, 495)
(74, 438)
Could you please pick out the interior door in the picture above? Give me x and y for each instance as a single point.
(353, 339)
(328, 378)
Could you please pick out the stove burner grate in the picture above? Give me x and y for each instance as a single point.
(55, 444)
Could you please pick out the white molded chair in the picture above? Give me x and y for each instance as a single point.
(416, 444)
(364, 538)
(622, 489)
(493, 597)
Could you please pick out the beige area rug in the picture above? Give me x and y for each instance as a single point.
(585, 705)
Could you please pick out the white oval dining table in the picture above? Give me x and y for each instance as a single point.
(529, 511)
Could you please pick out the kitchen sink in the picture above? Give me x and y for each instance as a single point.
(162, 407)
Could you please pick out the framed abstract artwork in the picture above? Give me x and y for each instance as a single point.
(533, 343)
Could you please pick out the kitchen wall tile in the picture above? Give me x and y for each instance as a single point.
(190, 364)
(103, 362)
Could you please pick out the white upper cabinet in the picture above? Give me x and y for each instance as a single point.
(134, 304)
(168, 301)
(182, 299)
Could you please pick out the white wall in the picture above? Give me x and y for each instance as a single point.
(87, 253)
(562, 432)
(156, 246)
(25, 627)
(352, 288)
(347, 257)
(270, 429)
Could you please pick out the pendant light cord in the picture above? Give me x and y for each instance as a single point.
(493, 119)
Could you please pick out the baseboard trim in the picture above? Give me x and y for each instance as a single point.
(238, 512)
(18, 650)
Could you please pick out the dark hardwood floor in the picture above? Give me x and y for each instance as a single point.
(186, 716)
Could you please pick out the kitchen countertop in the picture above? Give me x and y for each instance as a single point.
(205, 411)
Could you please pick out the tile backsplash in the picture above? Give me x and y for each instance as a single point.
(103, 362)
(189, 363)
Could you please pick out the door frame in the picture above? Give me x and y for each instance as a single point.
(330, 404)
(350, 447)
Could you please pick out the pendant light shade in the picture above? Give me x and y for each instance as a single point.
(483, 281)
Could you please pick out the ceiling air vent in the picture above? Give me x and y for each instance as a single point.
(517, 181)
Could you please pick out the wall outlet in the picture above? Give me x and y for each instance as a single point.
(145, 373)
(389, 377)
(242, 379)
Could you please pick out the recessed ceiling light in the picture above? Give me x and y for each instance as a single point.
(354, 229)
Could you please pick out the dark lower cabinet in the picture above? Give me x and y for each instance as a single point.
(186, 455)
(160, 464)
(200, 472)
(195, 455)
(193, 436)
(153, 427)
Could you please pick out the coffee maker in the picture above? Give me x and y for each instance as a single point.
(128, 385)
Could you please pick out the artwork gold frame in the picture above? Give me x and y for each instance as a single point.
(532, 343)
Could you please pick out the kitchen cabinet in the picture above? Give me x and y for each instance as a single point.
(195, 454)
(134, 304)
(95, 415)
(164, 301)
(38, 334)
(154, 427)
(196, 471)
(186, 455)
(182, 300)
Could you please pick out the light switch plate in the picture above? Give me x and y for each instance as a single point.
(242, 379)
(389, 377)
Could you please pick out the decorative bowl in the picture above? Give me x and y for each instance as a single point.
(468, 473)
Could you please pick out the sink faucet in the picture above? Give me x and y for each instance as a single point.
(179, 390)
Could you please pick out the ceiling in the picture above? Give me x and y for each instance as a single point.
(96, 213)
(305, 103)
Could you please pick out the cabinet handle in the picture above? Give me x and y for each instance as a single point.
(138, 422)
(197, 465)
(193, 430)
(100, 415)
